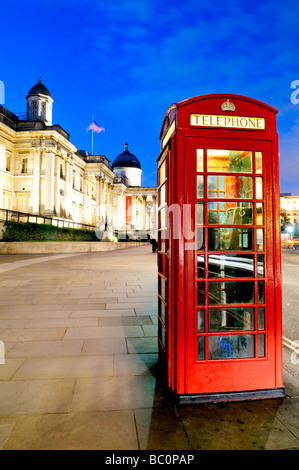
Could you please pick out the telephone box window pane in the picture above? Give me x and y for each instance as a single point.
(227, 239)
(200, 186)
(261, 292)
(233, 292)
(200, 266)
(162, 310)
(201, 348)
(225, 266)
(230, 213)
(261, 319)
(200, 293)
(162, 172)
(260, 265)
(231, 319)
(230, 187)
(162, 192)
(259, 188)
(260, 239)
(258, 162)
(162, 213)
(163, 335)
(200, 213)
(200, 321)
(200, 239)
(234, 161)
(162, 290)
(259, 213)
(199, 157)
(261, 345)
(231, 346)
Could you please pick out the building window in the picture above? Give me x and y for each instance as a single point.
(34, 110)
(24, 167)
(74, 181)
(23, 204)
(62, 171)
(81, 183)
(44, 111)
(8, 163)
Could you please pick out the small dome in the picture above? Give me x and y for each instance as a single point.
(39, 89)
(126, 159)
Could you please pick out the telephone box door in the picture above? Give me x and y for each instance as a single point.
(230, 304)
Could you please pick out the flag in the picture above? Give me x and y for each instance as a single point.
(94, 127)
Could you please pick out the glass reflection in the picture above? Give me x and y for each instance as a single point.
(200, 266)
(230, 213)
(260, 265)
(201, 348)
(258, 162)
(200, 293)
(232, 292)
(231, 319)
(201, 321)
(259, 188)
(231, 346)
(200, 213)
(200, 238)
(199, 160)
(200, 186)
(225, 266)
(259, 213)
(261, 318)
(261, 345)
(227, 239)
(260, 239)
(261, 292)
(230, 187)
(234, 161)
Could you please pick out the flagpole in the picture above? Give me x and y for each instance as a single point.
(92, 139)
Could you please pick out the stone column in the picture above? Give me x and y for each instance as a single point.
(36, 182)
(57, 185)
(68, 183)
(134, 210)
(144, 212)
(49, 186)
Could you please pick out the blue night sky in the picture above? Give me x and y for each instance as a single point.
(126, 61)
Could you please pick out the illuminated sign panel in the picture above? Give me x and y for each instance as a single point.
(238, 122)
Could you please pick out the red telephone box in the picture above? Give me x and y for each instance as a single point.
(219, 258)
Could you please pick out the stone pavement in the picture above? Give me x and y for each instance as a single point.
(80, 335)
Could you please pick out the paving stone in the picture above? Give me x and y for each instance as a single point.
(98, 346)
(105, 430)
(35, 396)
(65, 367)
(46, 348)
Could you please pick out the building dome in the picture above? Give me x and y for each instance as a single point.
(126, 160)
(39, 89)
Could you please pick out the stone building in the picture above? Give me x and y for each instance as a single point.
(42, 172)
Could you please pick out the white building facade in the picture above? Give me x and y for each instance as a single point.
(43, 173)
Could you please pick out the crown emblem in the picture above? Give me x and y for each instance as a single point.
(228, 106)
